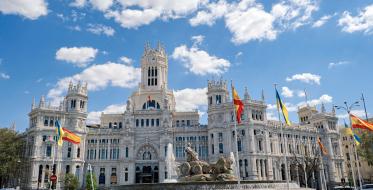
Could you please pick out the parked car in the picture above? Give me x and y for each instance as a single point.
(368, 187)
(343, 188)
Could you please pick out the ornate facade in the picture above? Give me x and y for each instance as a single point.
(130, 147)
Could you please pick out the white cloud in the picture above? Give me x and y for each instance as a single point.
(291, 14)
(200, 62)
(101, 5)
(305, 77)
(94, 116)
(78, 56)
(249, 21)
(214, 11)
(361, 22)
(78, 3)
(133, 18)
(286, 92)
(186, 99)
(98, 77)
(336, 64)
(126, 60)
(271, 116)
(31, 9)
(4, 76)
(301, 93)
(136, 13)
(323, 99)
(197, 40)
(359, 113)
(100, 29)
(321, 21)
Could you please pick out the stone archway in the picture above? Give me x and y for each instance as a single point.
(146, 152)
(147, 164)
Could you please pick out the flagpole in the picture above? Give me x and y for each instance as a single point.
(283, 142)
(365, 109)
(354, 147)
(352, 167)
(322, 174)
(235, 139)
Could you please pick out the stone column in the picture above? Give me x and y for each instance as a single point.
(251, 139)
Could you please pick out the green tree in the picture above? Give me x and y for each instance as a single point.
(71, 182)
(366, 147)
(88, 183)
(11, 157)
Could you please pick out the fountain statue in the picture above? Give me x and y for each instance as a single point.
(170, 165)
(197, 170)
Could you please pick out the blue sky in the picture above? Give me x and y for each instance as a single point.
(324, 47)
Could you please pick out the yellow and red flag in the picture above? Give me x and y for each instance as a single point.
(238, 105)
(322, 148)
(70, 136)
(359, 123)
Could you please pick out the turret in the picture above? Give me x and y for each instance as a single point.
(217, 92)
(76, 98)
(154, 68)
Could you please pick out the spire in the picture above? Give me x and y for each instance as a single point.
(42, 102)
(246, 95)
(322, 108)
(33, 103)
(333, 110)
(263, 99)
(13, 126)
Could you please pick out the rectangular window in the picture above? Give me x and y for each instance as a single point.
(78, 153)
(152, 122)
(68, 152)
(126, 152)
(126, 176)
(212, 149)
(221, 151)
(155, 81)
(157, 122)
(147, 122)
(49, 151)
(188, 122)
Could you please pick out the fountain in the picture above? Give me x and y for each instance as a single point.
(197, 170)
(198, 174)
(170, 165)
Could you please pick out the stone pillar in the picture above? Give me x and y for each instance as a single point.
(251, 139)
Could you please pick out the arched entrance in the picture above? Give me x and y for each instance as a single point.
(146, 165)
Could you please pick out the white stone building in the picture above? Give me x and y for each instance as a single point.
(130, 147)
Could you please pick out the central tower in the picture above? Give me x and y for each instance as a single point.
(154, 68)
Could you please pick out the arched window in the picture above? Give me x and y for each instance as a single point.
(115, 125)
(110, 125)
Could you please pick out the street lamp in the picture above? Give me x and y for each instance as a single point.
(19, 173)
(348, 108)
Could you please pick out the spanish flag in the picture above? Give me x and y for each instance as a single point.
(238, 105)
(359, 123)
(349, 132)
(322, 148)
(60, 133)
(281, 105)
(70, 137)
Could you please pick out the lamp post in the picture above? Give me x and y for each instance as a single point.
(19, 173)
(348, 108)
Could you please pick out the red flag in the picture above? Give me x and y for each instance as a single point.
(238, 105)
